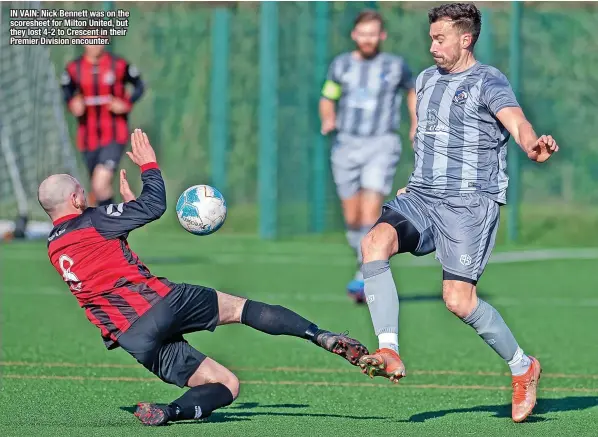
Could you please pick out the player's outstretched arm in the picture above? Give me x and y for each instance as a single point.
(113, 221)
(538, 149)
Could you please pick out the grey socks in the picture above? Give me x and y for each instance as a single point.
(489, 325)
(383, 302)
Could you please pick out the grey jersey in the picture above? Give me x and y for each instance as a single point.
(460, 145)
(370, 100)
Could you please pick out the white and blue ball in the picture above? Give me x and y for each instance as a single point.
(201, 210)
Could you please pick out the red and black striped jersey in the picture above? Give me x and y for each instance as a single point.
(98, 83)
(91, 253)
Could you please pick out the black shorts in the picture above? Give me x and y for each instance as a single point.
(109, 156)
(156, 340)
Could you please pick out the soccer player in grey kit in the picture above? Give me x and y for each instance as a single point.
(361, 101)
(466, 112)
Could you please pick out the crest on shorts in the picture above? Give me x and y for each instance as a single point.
(465, 260)
(460, 96)
(109, 78)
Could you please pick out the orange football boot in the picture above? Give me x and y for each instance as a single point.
(524, 391)
(385, 362)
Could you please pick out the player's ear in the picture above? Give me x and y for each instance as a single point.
(74, 200)
(466, 40)
(383, 35)
(354, 35)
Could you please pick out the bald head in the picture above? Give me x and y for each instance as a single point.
(61, 194)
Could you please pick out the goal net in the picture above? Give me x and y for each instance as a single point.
(34, 140)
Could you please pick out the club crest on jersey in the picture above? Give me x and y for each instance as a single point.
(109, 78)
(432, 120)
(460, 96)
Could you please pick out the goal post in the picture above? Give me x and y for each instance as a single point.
(34, 139)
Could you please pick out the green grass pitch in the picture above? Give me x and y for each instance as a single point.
(58, 379)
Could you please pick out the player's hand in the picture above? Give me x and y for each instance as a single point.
(77, 105)
(401, 191)
(328, 125)
(412, 131)
(543, 149)
(119, 106)
(141, 150)
(125, 190)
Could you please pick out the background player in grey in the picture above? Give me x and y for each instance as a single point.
(466, 112)
(366, 83)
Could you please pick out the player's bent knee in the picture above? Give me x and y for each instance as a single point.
(233, 384)
(230, 308)
(380, 243)
(210, 372)
(459, 297)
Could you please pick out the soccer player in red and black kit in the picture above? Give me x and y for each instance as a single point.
(93, 86)
(148, 315)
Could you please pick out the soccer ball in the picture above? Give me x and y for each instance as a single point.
(201, 210)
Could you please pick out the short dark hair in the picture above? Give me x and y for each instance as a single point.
(465, 16)
(368, 15)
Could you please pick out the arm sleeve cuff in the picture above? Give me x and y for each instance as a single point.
(149, 166)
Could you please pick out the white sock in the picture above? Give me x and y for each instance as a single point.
(520, 363)
(389, 340)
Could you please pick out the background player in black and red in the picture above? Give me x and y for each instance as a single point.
(148, 315)
(94, 88)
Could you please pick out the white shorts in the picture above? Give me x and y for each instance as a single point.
(364, 163)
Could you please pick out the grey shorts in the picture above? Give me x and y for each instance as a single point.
(156, 340)
(364, 163)
(460, 228)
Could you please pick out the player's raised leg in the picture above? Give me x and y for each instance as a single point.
(278, 320)
(394, 233)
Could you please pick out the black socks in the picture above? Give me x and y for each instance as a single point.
(277, 320)
(199, 402)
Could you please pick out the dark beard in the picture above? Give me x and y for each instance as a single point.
(371, 55)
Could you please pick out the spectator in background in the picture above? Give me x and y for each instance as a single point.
(361, 102)
(94, 91)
